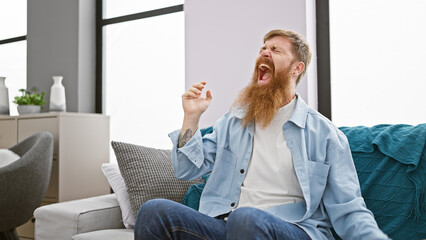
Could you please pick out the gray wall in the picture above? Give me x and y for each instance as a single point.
(61, 41)
(223, 39)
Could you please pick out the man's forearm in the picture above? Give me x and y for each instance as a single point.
(189, 126)
(185, 137)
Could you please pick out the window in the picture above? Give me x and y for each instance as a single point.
(376, 61)
(143, 69)
(13, 47)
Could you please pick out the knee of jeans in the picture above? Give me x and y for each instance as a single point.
(244, 218)
(151, 207)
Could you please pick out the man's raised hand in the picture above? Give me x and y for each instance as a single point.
(193, 106)
(192, 101)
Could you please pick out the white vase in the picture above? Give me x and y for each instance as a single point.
(4, 97)
(57, 95)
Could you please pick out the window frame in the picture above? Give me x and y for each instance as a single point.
(100, 47)
(323, 57)
(13, 40)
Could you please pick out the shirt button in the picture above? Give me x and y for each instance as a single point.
(232, 204)
(242, 171)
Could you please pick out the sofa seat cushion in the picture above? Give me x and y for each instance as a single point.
(62, 220)
(109, 234)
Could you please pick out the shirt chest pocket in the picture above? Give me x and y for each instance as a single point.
(221, 178)
(318, 174)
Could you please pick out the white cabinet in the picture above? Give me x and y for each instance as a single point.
(81, 145)
(8, 132)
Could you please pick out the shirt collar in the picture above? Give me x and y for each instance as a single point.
(300, 112)
(298, 117)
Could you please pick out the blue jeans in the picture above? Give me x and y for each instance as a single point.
(165, 219)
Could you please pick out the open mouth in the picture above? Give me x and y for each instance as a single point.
(265, 73)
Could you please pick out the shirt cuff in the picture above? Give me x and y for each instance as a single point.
(192, 149)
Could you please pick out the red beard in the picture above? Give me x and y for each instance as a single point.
(263, 101)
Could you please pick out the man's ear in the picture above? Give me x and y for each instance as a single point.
(298, 68)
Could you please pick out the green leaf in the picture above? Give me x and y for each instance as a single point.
(30, 97)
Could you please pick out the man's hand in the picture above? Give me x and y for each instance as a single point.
(193, 106)
(193, 103)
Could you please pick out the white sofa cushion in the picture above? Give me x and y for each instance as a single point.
(116, 181)
(7, 157)
(110, 234)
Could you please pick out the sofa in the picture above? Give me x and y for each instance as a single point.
(390, 162)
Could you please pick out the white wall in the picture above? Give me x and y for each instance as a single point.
(223, 39)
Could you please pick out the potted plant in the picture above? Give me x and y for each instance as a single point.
(30, 101)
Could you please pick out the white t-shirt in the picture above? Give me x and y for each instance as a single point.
(271, 179)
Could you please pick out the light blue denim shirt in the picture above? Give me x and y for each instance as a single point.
(322, 161)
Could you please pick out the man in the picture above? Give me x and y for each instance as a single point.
(279, 169)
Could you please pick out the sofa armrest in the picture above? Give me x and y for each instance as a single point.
(61, 221)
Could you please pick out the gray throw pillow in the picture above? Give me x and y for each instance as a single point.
(148, 174)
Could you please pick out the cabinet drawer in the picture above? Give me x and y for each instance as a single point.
(8, 133)
(30, 126)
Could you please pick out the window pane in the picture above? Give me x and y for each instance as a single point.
(377, 61)
(144, 78)
(13, 66)
(115, 8)
(13, 19)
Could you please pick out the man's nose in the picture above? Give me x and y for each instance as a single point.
(265, 53)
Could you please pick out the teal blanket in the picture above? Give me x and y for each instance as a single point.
(391, 166)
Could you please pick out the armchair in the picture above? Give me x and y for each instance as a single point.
(24, 182)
